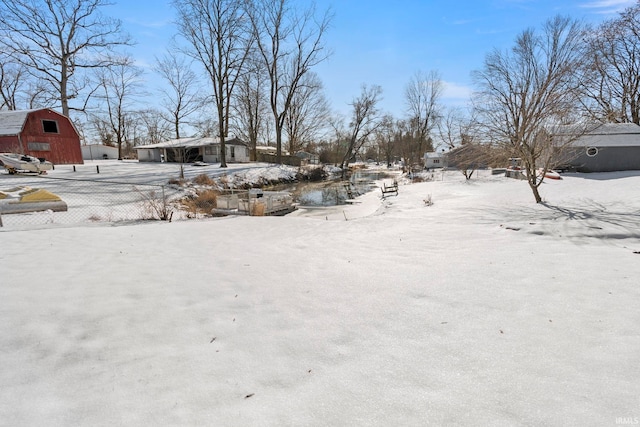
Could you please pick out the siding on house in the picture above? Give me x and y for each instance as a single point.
(610, 147)
(192, 149)
(606, 159)
(434, 160)
(99, 152)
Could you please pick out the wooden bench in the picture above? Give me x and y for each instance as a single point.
(389, 189)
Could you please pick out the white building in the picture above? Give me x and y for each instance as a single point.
(188, 150)
(98, 152)
(434, 160)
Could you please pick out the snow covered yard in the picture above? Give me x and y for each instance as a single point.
(481, 309)
(113, 191)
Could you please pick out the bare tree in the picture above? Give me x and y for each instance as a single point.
(119, 86)
(527, 92)
(220, 40)
(612, 69)
(18, 88)
(422, 97)
(250, 105)
(58, 40)
(334, 149)
(12, 77)
(459, 134)
(206, 125)
(102, 130)
(181, 96)
(290, 45)
(307, 116)
(154, 127)
(364, 122)
(387, 137)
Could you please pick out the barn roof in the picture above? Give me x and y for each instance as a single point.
(11, 122)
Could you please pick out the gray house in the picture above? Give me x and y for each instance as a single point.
(189, 150)
(609, 147)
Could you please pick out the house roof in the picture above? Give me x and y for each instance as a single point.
(433, 155)
(612, 135)
(190, 143)
(11, 122)
(305, 155)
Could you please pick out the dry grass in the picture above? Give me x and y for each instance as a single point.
(204, 180)
(177, 181)
(202, 202)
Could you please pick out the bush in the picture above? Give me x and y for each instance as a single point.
(204, 179)
(202, 202)
(317, 174)
(312, 174)
(156, 205)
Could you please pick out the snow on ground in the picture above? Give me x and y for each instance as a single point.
(481, 309)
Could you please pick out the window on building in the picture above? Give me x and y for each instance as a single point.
(211, 150)
(436, 160)
(50, 126)
(233, 151)
(39, 146)
(592, 151)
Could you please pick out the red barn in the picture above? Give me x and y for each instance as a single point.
(40, 133)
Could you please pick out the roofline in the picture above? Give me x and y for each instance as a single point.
(187, 143)
(34, 110)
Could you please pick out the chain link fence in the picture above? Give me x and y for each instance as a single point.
(42, 201)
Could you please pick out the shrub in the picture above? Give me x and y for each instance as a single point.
(202, 202)
(314, 174)
(156, 205)
(204, 179)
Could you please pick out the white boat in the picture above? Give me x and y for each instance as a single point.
(551, 174)
(15, 163)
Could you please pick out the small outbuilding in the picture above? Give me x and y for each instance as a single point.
(44, 133)
(434, 160)
(99, 152)
(609, 147)
(189, 150)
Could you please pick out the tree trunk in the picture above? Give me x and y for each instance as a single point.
(222, 135)
(534, 184)
(279, 145)
(64, 101)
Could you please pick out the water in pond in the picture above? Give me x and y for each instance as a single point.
(333, 192)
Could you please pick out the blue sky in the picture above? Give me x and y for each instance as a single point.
(385, 43)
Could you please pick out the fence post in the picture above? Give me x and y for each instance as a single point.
(0, 220)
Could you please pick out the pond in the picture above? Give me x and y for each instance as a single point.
(333, 192)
